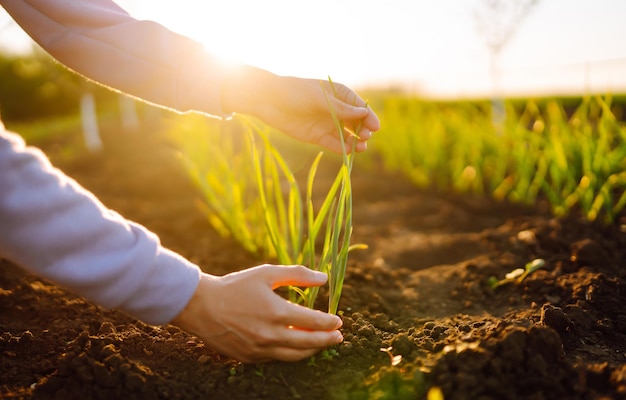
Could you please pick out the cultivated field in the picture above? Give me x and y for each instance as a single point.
(451, 200)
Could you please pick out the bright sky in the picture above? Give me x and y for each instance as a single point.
(430, 47)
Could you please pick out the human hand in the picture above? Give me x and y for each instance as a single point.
(240, 316)
(300, 107)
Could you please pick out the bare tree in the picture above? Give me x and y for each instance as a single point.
(6, 23)
(497, 21)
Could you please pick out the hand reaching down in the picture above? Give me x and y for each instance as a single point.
(240, 316)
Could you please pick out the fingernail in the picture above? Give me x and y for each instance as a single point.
(320, 275)
(338, 337)
(362, 110)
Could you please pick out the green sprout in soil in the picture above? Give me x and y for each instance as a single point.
(395, 360)
(518, 274)
(260, 370)
(325, 355)
(219, 165)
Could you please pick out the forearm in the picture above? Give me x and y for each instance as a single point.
(54, 228)
(101, 41)
(248, 90)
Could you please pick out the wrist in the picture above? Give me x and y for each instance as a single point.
(245, 89)
(187, 319)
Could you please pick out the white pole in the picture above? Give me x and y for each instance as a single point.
(130, 120)
(90, 122)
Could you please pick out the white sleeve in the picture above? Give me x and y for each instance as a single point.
(54, 228)
(101, 41)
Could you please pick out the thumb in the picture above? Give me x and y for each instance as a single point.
(296, 275)
(347, 111)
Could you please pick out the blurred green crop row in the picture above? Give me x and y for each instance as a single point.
(35, 86)
(572, 156)
(569, 152)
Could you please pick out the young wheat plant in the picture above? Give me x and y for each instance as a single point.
(251, 193)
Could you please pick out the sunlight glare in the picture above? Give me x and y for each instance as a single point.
(278, 35)
(432, 48)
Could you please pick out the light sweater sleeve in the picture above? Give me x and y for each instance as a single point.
(101, 41)
(55, 228)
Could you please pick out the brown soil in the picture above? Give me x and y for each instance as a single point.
(420, 290)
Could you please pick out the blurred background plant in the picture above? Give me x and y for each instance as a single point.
(568, 151)
(34, 86)
(573, 156)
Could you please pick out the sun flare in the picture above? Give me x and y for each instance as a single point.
(281, 36)
(426, 47)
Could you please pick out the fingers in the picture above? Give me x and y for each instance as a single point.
(364, 133)
(286, 344)
(291, 332)
(293, 314)
(350, 107)
(288, 354)
(366, 125)
(332, 143)
(361, 147)
(307, 343)
(353, 111)
(291, 343)
(309, 320)
(345, 95)
(239, 315)
(294, 275)
(371, 121)
(347, 111)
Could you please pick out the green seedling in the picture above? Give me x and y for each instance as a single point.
(339, 224)
(260, 370)
(293, 240)
(251, 193)
(218, 163)
(329, 354)
(395, 360)
(518, 274)
(295, 243)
